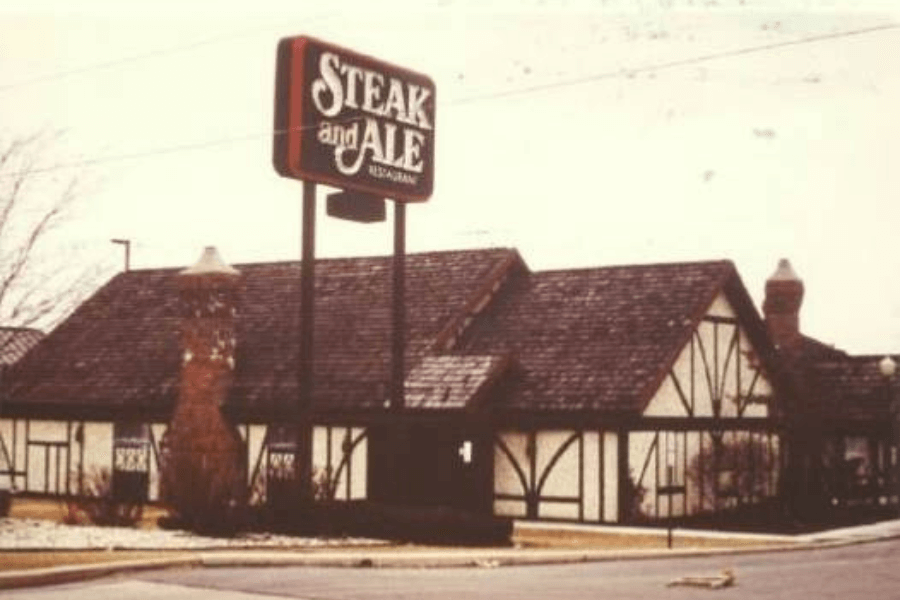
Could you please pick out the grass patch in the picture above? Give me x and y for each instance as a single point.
(50, 509)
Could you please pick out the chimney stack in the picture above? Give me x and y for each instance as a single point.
(203, 473)
(781, 307)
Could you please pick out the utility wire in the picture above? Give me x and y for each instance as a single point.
(161, 52)
(685, 62)
(484, 97)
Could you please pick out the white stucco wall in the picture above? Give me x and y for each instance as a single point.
(506, 479)
(611, 477)
(20, 428)
(560, 480)
(158, 430)
(255, 437)
(359, 467)
(721, 307)
(593, 476)
(9, 460)
(98, 443)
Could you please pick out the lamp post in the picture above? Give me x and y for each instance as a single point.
(887, 366)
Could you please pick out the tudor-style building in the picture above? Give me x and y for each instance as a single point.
(595, 395)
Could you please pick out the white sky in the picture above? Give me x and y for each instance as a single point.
(583, 133)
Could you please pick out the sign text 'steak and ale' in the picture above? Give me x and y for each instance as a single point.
(354, 122)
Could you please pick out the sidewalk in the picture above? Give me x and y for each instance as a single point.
(361, 556)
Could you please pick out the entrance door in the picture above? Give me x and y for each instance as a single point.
(429, 465)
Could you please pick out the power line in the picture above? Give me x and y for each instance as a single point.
(161, 52)
(673, 64)
(480, 98)
(87, 162)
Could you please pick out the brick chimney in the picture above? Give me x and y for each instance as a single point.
(204, 470)
(781, 307)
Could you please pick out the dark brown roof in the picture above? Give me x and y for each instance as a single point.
(452, 382)
(814, 350)
(597, 340)
(602, 339)
(16, 341)
(121, 347)
(848, 389)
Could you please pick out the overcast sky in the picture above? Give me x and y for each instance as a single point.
(582, 133)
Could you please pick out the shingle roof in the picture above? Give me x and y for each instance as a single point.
(16, 341)
(452, 382)
(595, 340)
(848, 389)
(121, 347)
(599, 339)
(813, 349)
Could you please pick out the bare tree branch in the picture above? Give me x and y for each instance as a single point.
(39, 283)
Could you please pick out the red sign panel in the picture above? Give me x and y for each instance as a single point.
(354, 122)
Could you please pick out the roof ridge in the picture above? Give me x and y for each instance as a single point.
(477, 301)
(321, 259)
(717, 262)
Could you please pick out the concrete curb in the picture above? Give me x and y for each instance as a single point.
(73, 573)
(359, 558)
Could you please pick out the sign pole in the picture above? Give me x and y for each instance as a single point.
(398, 328)
(398, 306)
(356, 123)
(303, 452)
(669, 483)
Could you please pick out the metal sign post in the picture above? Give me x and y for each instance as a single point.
(670, 490)
(398, 307)
(367, 127)
(303, 451)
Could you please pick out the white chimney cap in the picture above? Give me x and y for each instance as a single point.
(784, 272)
(210, 263)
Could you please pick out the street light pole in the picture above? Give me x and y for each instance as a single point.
(127, 245)
(887, 366)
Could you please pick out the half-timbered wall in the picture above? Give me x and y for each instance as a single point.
(729, 459)
(556, 474)
(59, 457)
(339, 461)
(340, 455)
(717, 454)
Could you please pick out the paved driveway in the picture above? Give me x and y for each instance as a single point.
(869, 570)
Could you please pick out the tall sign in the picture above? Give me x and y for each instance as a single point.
(353, 122)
